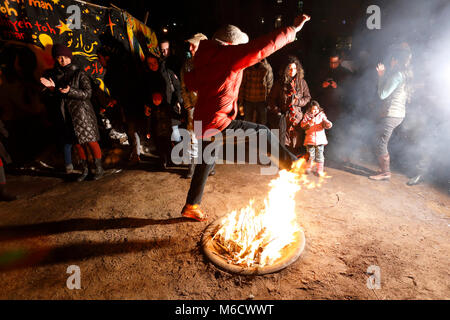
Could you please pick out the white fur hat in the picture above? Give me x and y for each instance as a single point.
(230, 34)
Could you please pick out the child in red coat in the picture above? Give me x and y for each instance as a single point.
(314, 123)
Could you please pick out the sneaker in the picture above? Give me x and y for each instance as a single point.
(381, 176)
(193, 211)
(69, 168)
(415, 180)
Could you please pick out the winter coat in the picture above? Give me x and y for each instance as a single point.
(315, 129)
(74, 105)
(288, 121)
(392, 90)
(172, 92)
(217, 76)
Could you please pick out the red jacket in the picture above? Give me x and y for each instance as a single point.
(217, 76)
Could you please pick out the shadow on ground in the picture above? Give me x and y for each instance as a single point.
(24, 257)
(49, 228)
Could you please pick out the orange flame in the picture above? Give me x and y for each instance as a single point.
(253, 237)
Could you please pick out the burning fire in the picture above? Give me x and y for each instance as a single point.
(253, 237)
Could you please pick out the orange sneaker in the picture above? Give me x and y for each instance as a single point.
(193, 211)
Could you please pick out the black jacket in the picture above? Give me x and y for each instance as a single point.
(74, 108)
(172, 93)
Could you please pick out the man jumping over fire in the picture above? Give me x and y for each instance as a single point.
(216, 77)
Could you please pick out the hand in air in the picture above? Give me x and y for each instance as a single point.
(380, 69)
(300, 21)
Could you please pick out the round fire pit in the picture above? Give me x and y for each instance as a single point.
(212, 250)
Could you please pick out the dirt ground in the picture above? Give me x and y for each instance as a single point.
(126, 234)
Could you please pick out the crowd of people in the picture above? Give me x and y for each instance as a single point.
(217, 77)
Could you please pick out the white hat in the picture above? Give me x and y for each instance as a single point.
(231, 35)
(196, 38)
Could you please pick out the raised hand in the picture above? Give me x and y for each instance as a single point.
(300, 21)
(380, 69)
(48, 83)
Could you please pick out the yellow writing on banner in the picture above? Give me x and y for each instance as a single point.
(7, 9)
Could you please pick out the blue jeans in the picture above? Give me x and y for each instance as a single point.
(176, 137)
(138, 143)
(68, 154)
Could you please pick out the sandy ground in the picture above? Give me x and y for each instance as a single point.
(126, 234)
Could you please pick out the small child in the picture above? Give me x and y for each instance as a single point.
(314, 123)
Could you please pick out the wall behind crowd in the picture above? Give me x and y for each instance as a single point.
(27, 34)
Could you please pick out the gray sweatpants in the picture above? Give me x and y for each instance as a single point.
(384, 132)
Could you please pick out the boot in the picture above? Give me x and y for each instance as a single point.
(309, 166)
(99, 169)
(385, 170)
(84, 172)
(194, 212)
(319, 171)
(4, 195)
(415, 180)
(69, 168)
(191, 170)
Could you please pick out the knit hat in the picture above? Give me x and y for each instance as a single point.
(195, 40)
(61, 50)
(230, 34)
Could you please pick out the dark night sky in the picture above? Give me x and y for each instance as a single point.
(331, 19)
(207, 15)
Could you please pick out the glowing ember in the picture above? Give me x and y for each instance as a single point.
(253, 237)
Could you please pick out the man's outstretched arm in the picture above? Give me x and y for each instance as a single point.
(246, 55)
